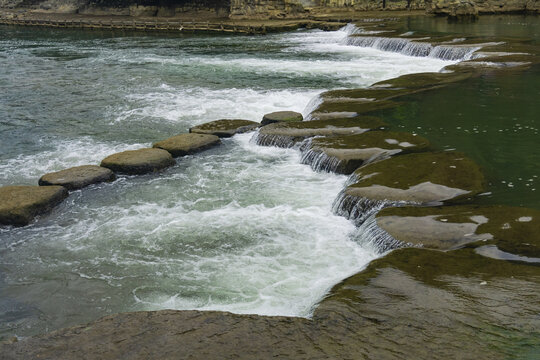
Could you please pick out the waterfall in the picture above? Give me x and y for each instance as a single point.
(313, 104)
(320, 161)
(358, 209)
(370, 234)
(281, 141)
(413, 48)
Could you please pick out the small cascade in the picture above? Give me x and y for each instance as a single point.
(413, 48)
(351, 29)
(320, 161)
(313, 104)
(281, 141)
(358, 209)
(370, 234)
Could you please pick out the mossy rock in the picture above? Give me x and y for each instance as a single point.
(419, 178)
(187, 144)
(514, 230)
(287, 134)
(343, 108)
(77, 177)
(19, 205)
(345, 154)
(136, 162)
(365, 94)
(281, 116)
(225, 127)
(423, 80)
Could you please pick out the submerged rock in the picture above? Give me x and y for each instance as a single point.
(225, 127)
(425, 178)
(512, 229)
(19, 205)
(281, 116)
(345, 154)
(187, 144)
(77, 177)
(135, 162)
(287, 134)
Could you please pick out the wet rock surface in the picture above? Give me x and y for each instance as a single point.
(345, 154)
(287, 134)
(135, 162)
(281, 116)
(187, 144)
(225, 127)
(19, 205)
(419, 178)
(77, 177)
(440, 298)
(514, 230)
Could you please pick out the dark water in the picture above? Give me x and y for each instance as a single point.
(494, 118)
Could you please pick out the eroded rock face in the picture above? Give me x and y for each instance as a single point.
(281, 116)
(187, 144)
(225, 127)
(458, 8)
(424, 178)
(77, 177)
(135, 162)
(419, 178)
(19, 205)
(345, 154)
(512, 229)
(287, 134)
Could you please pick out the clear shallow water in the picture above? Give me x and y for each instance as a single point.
(239, 228)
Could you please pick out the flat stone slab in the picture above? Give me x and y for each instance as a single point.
(135, 162)
(345, 154)
(419, 178)
(77, 177)
(281, 116)
(19, 205)
(187, 144)
(225, 127)
(513, 230)
(287, 134)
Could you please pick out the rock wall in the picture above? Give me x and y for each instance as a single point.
(373, 4)
(460, 8)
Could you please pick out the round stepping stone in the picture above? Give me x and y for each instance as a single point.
(21, 204)
(187, 144)
(77, 177)
(281, 116)
(225, 127)
(135, 162)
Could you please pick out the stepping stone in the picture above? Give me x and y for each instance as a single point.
(345, 154)
(281, 116)
(287, 134)
(19, 205)
(225, 127)
(187, 144)
(77, 177)
(136, 162)
(513, 230)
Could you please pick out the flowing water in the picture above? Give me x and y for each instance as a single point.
(241, 228)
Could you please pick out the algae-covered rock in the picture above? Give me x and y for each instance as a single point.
(225, 127)
(345, 154)
(142, 161)
(77, 177)
(419, 178)
(345, 108)
(513, 230)
(187, 144)
(287, 134)
(281, 116)
(21, 204)
(423, 80)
